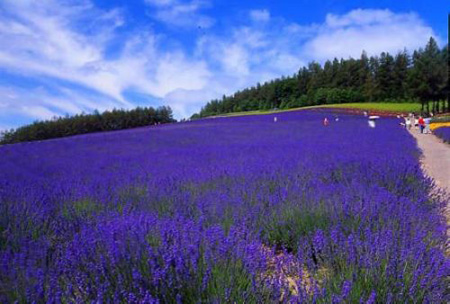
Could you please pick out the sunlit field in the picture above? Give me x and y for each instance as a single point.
(225, 210)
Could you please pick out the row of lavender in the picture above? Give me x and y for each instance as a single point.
(443, 133)
(223, 210)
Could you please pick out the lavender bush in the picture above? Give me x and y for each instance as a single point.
(223, 210)
(443, 133)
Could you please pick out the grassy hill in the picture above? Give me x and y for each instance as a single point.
(371, 106)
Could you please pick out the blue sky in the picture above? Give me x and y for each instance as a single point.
(66, 57)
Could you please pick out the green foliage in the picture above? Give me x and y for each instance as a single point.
(88, 123)
(440, 119)
(371, 279)
(383, 78)
(84, 208)
(285, 229)
(382, 106)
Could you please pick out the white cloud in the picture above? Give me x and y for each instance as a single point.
(264, 53)
(160, 2)
(260, 15)
(186, 102)
(41, 103)
(374, 31)
(176, 72)
(38, 112)
(48, 44)
(181, 13)
(4, 127)
(37, 42)
(235, 59)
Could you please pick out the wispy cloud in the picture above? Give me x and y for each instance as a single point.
(49, 44)
(42, 103)
(181, 13)
(47, 39)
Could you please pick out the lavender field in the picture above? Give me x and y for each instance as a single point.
(223, 210)
(443, 133)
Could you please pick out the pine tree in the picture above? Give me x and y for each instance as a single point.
(400, 76)
(428, 77)
(384, 77)
(444, 94)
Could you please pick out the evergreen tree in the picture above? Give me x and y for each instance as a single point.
(384, 77)
(428, 77)
(400, 76)
(444, 94)
(364, 76)
(115, 119)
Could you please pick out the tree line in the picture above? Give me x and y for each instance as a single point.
(422, 77)
(88, 123)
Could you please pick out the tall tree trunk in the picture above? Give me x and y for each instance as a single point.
(428, 106)
(437, 106)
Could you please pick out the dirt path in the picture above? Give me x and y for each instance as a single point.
(435, 161)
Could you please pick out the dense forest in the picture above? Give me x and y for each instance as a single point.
(88, 123)
(422, 77)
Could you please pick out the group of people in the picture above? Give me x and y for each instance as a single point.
(411, 120)
(326, 122)
(371, 120)
(417, 122)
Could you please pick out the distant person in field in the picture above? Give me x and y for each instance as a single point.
(415, 121)
(371, 121)
(408, 123)
(412, 119)
(403, 124)
(421, 124)
(325, 122)
(427, 125)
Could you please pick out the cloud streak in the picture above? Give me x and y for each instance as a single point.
(180, 13)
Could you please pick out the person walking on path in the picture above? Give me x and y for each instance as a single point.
(408, 123)
(421, 124)
(427, 125)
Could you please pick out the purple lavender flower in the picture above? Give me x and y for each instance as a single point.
(443, 133)
(221, 210)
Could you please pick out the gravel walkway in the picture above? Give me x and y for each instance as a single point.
(436, 158)
(435, 162)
